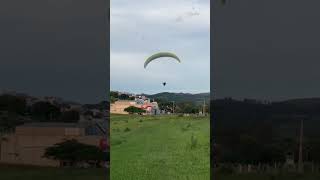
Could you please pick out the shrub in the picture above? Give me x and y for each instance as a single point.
(225, 169)
(194, 142)
(73, 151)
(134, 110)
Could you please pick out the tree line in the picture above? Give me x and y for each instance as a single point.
(14, 111)
(251, 131)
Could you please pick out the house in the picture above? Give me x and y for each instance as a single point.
(26, 146)
(151, 108)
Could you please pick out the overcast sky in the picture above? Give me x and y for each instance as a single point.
(266, 49)
(144, 27)
(54, 48)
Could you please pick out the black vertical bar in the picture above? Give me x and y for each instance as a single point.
(107, 58)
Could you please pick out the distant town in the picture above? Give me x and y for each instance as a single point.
(30, 125)
(158, 104)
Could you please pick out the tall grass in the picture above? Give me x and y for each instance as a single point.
(156, 149)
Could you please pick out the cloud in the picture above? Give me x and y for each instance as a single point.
(141, 28)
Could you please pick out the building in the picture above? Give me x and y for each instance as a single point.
(27, 144)
(151, 108)
(119, 106)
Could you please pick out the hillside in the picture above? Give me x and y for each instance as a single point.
(250, 130)
(181, 97)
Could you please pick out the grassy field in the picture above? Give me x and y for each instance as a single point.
(160, 147)
(39, 173)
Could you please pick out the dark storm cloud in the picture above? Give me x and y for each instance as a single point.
(54, 47)
(266, 49)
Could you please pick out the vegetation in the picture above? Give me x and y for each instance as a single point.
(44, 111)
(14, 111)
(73, 152)
(114, 96)
(182, 97)
(134, 110)
(160, 147)
(255, 132)
(100, 106)
(70, 116)
(184, 103)
(12, 104)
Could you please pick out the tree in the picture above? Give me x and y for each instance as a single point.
(164, 104)
(70, 116)
(124, 97)
(112, 99)
(114, 94)
(44, 111)
(134, 110)
(88, 113)
(73, 152)
(187, 107)
(9, 121)
(12, 104)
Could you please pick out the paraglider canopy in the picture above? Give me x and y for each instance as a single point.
(160, 55)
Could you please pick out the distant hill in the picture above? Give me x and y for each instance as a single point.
(103, 105)
(181, 97)
(303, 101)
(283, 116)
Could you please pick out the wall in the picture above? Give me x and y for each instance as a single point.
(119, 106)
(21, 148)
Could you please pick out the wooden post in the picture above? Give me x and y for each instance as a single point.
(300, 162)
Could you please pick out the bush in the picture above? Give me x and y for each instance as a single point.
(194, 142)
(225, 169)
(134, 110)
(188, 125)
(116, 142)
(44, 111)
(74, 152)
(127, 129)
(13, 104)
(70, 116)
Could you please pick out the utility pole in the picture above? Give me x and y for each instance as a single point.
(300, 162)
(204, 107)
(0, 145)
(172, 107)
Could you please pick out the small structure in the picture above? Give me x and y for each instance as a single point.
(119, 106)
(142, 102)
(26, 146)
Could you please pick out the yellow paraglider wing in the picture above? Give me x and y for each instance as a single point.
(160, 55)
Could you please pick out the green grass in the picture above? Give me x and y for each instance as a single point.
(9, 172)
(160, 147)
